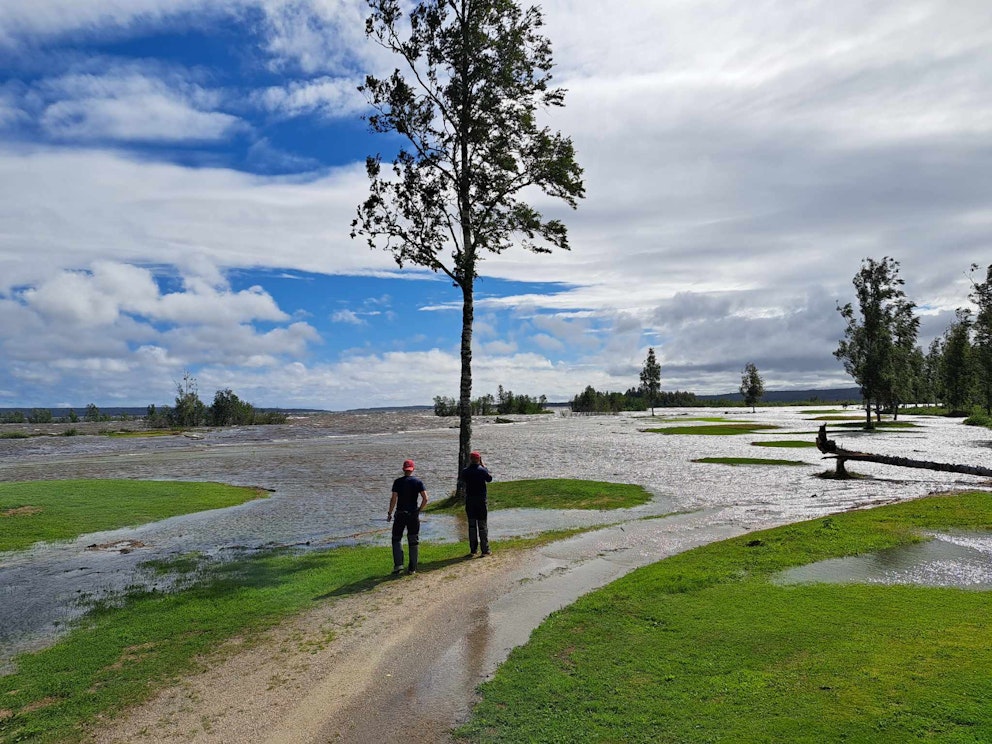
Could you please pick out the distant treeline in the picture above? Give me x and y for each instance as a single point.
(591, 400)
(503, 403)
(226, 410)
(189, 411)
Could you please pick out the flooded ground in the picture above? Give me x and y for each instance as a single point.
(330, 476)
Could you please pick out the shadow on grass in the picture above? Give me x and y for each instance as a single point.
(363, 585)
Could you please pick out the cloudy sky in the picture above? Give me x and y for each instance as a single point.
(178, 178)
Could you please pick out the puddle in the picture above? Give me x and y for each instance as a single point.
(961, 560)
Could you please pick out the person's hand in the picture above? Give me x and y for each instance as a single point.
(389, 516)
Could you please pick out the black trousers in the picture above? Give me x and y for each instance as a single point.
(477, 512)
(409, 521)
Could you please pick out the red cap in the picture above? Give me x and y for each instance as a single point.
(475, 456)
(408, 465)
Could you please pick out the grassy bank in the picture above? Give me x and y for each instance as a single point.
(48, 511)
(555, 493)
(714, 430)
(703, 647)
(747, 461)
(122, 652)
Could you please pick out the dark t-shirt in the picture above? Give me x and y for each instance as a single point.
(476, 477)
(407, 491)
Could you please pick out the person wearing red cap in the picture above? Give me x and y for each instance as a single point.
(406, 492)
(475, 477)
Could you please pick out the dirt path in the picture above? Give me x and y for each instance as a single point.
(401, 662)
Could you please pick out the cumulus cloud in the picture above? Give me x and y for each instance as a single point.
(347, 316)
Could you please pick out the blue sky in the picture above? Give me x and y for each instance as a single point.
(178, 178)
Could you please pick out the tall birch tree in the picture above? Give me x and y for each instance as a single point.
(466, 100)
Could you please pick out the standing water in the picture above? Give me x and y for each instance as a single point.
(330, 475)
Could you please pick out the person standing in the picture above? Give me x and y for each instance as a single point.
(407, 491)
(475, 477)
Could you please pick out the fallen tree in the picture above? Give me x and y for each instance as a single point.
(829, 447)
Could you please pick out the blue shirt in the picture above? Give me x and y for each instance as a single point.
(408, 490)
(475, 477)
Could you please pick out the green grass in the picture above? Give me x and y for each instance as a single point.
(798, 443)
(715, 430)
(141, 434)
(14, 435)
(121, 653)
(48, 511)
(860, 424)
(703, 647)
(747, 461)
(681, 419)
(555, 493)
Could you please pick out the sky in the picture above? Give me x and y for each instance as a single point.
(178, 179)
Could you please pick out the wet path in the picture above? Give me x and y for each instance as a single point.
(428, 686)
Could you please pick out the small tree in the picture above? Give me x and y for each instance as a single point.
(189, 410)
(752, 386)
(982, 297)
(476, 75)
(868, 347)
(651, 379)
(957, 370)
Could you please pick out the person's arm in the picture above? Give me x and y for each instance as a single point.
(423, 500)
(392, 506)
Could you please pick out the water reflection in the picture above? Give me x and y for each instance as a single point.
(962, 560)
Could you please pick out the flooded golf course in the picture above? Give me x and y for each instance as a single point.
(329, 477)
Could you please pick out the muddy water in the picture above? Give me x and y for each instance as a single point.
(330, 478)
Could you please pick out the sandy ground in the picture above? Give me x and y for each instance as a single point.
(346, 671)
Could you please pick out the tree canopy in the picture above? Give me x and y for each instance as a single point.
(466, 103)
(752, 386)
(879, 334)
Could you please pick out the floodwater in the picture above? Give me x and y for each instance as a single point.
(330, 476)
(959, 560)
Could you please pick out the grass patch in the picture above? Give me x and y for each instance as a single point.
(14, 435)
(555, 493)
(48, 511)
(797, 443)
(715, 430)
(681, 419)
(703, 647)
(860, 424)
(926, 411)
(747, 461)
(142, 434)
(121, 653)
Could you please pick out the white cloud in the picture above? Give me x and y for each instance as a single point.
(347, 316)
(130, 105)
(325, 96)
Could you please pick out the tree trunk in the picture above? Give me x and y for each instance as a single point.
(829, 447)
(465, 388)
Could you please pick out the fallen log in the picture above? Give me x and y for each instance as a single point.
(829, 447)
